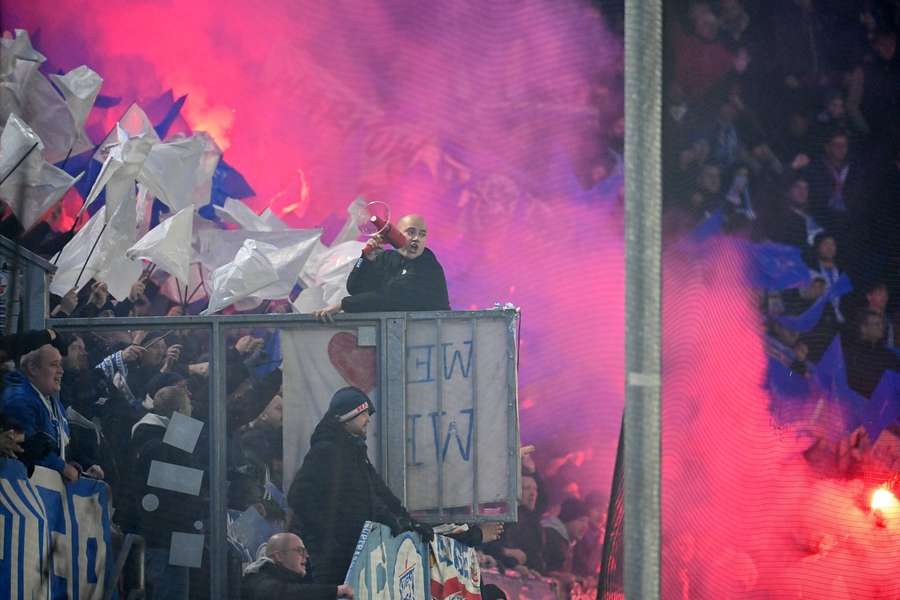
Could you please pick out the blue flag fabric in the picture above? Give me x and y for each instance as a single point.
(883, 408)
(103, 101)
(777, 266)
(806, 321)
(227, 182)
(162, 128)
(709, 228)
(271, 352)
(788, 391)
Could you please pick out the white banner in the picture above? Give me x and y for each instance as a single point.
(317, 363)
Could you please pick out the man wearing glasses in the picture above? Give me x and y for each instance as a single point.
(280, 574)
(409, 278)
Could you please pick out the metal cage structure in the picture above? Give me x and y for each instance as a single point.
(484, 379)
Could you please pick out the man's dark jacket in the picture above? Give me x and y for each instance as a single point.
(265, 579)
(333, 494)
(394, 283)
(176, 511)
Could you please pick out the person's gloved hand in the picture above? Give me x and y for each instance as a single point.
(424, 530)
(399, 525)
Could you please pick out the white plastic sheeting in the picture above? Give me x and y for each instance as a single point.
(168, 245)
(35, 185)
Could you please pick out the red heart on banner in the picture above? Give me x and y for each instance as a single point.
(355, 364)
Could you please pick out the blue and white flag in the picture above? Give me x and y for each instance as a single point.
(807, 320)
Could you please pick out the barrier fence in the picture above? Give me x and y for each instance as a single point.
(444, 385)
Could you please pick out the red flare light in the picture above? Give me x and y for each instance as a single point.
(884, 500)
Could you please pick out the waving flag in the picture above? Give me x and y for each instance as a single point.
(777, 266)
(180, 172)
(883, 408)
(238, 213)
(127, 148)
(80, 88)
(168, 245)
(325, 275)
(288, 262)
(28, 94)
(35, 185)
(249, 272)
(227, 182)
(806, 321)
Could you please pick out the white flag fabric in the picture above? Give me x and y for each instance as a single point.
(357, 214)
(73, 256)
(249, 272)
(123, 157)
(80, 88)
(238, 213)
(168, 245)
(272, 221)
(114, 268)
(108, 262)
(179, 172)
(288, 262)
(35, 185)
(325, 274)
(27, 93)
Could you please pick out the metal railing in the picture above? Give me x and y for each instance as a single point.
(393, 390)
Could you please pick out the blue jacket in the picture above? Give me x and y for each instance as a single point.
(22, 405)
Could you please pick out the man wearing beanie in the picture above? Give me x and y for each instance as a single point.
(561, 534)
(337, 489)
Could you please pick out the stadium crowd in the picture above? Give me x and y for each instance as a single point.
(781, 124)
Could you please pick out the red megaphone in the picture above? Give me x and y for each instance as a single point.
(383, 228)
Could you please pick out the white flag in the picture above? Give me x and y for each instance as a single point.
(123, 154)
(168, 245)
(237, 212)
(74, 255)
(114, 268)
(357, 214)
(80, 88)
(249, 272)
(288, 262)
(179, 172)
(35, 185)
(325, 275)
(18, 64)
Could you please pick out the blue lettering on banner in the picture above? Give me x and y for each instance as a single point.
(441, 440)
(440, 450)
(452, 358)
(423, 359)
(457, 359)
(68, 543)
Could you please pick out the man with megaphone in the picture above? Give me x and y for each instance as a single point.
(408, 278)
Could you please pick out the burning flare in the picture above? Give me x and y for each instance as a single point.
(884, 499)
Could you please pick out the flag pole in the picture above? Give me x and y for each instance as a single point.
(16, 166)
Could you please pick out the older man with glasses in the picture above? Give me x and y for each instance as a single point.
(280, 574)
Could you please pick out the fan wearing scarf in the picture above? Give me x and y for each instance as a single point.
(337, 489)
(31, 401)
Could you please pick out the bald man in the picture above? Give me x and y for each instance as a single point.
(406, 279)
(279, 575)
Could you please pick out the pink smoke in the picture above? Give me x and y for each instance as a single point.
(745, 515)
(472, 113)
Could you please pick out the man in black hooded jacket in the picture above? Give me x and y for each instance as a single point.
(337, 489)
(410, 278)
